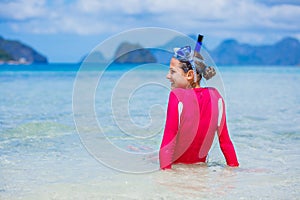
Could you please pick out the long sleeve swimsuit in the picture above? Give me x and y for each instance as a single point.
(193, 118)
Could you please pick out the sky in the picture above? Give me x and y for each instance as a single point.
(66, 30)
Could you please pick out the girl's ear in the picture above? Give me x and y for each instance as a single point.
(190, 75)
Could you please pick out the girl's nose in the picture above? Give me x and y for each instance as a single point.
(168, 76)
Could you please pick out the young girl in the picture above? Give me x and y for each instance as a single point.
(194, 114)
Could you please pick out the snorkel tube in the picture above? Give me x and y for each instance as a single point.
(196, 50)
(198, 44)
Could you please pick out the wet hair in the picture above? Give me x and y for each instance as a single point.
(201, 68)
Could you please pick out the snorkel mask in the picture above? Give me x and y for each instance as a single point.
(185, 54)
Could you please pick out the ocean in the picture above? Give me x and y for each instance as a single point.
(73, 133)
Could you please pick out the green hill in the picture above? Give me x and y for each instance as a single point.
(4, 56)
(11, 50)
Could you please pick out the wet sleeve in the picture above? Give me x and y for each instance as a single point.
(224, 139)
(169, 138)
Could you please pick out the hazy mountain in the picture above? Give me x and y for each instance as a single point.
(231, 52)
(94, 57)
(15, 51)
(164, 53)
(162, 56)
(133, 53)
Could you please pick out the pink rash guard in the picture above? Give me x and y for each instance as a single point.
(193, 118)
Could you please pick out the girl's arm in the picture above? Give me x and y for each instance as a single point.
(169, 138)
(224, 139)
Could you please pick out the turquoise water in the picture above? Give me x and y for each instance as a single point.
(42, 156)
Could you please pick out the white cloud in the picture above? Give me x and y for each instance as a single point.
(22, 9)
(220, 18)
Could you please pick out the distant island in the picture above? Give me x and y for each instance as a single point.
(133, 53)
(15, 52)
(125, 53)
(229, 52)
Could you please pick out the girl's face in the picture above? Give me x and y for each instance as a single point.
(176, 75)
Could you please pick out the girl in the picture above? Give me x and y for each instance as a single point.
(194, 114)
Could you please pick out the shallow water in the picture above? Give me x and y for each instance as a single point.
(42, 156)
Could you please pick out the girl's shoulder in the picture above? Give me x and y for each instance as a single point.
(179, 93)
(208, 92)
(213, 93)
(178, 90)
(212, 90)
(182, 92)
